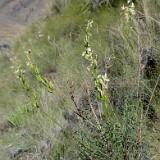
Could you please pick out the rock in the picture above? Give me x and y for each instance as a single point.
(99, 3)
(70, 116)
(148, 57)
(18, 151)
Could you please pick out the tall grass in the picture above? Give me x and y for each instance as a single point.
(100, 116)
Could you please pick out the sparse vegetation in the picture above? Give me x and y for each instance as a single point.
(87, 92)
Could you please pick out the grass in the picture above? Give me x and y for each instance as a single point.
(56, 46)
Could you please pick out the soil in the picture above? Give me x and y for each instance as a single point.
(17, 14)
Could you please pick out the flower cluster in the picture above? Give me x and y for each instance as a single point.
(101, 84)
(101, 81)
(129, 10)
(88, 54)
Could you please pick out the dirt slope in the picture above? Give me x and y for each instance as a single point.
(15, 14)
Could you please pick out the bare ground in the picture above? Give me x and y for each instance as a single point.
(16, 14)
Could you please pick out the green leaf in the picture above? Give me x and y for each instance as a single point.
(37, 70)
(51, 85)
(46, 80)
(38, 77)
(35, 96)
(50, 90)
(31, 66)
(36, 104)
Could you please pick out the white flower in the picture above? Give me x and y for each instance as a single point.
(28, 63)
(16, 71)
(49, 38)
(105, 75)
(88, 68)
(40, 35)
(84, 53)
(128, 1)
(132, 5)
(23, 71)
(123, 7)
(89, 49)
(99, 76)
(90, 23)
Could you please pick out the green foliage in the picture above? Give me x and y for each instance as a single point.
(18, 117)
(118, 137)
(115, 141)
(105, 89)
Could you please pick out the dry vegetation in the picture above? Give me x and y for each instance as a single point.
(107, 111)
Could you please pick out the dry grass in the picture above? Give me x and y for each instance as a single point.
(57, 45)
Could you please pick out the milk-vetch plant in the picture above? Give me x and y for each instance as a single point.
(32, 93)
(30, 90)
(118, 135)
(129, 10)
(101, 82)
(39, 76)
(25, 85)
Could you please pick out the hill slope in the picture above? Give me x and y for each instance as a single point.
(84, 89)
(15, 14)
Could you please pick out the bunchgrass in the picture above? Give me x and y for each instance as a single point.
(104, 91)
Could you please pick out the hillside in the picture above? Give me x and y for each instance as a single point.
(16, 14)
(82, 83)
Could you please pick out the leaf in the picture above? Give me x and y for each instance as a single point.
(37, 70)
(45, 80)
(36, 104)
(50, 90)
(35, 96)
(38, 77)
(31, 66)
(51, 85)
(23, 79)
